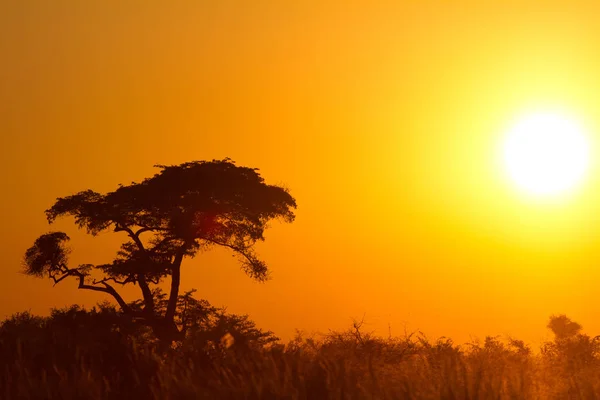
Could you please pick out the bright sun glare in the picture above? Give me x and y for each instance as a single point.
(546, 154)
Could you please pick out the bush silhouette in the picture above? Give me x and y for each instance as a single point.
(102, 354)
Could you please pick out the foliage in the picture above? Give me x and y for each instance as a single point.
(106, 344)
(180, 211)
(64, 356)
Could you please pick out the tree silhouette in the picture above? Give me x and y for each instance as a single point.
(180, 211)
(571, 349)
(563, 327)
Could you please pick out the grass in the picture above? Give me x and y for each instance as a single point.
(341, 365)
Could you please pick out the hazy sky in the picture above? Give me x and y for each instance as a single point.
(383, 119)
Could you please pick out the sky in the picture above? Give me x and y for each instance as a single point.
(384, 120)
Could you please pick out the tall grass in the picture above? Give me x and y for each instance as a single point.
(339, 365)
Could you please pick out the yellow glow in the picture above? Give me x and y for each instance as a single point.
(387, 120)
(546, 154)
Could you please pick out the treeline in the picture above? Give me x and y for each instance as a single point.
(101, 353)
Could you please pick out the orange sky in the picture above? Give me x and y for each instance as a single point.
(383, 119)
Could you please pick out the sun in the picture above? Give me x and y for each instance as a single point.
(546, 154)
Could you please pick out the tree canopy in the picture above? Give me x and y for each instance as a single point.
(178, 212)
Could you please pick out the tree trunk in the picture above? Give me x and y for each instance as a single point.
(146, 294)
(175, 282)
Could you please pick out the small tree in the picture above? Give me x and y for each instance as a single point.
(563, 327)
(180, 211)
(571, 349)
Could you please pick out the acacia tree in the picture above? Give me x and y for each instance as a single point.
(180, 211)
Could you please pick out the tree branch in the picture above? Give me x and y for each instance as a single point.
(141, 278)
(135, 237)
(231, 246)
(66, 272)
(175, 282)
(123, 282)
(56, 281)
(106, 289)
(142, 230)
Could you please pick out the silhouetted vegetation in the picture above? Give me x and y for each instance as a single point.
(180, 211)
(171, 345)
(100, 354)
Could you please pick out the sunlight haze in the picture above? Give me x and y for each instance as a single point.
(383, 119)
